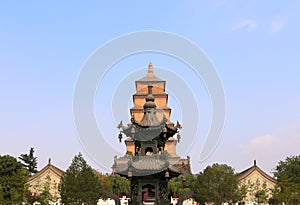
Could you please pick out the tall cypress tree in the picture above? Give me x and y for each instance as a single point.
(79, 184)
(29, 161)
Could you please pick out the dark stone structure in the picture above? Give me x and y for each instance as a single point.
(150, 160)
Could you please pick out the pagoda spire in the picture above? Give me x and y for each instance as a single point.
(150, 73)
(150, 99)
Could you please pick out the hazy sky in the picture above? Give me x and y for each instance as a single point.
(254, 46)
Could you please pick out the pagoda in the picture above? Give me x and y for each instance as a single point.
(151, 159)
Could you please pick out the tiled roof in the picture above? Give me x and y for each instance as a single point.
(145, 133)
(49, 166)
(154, 163)
(242, 175)
(144, 165)
(149, 163)
(151, 79)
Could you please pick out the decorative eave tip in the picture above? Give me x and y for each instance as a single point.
(150, 70)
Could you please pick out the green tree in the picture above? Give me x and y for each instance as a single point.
(79, 184)
(13, 177)
(261, 194)
(113, 183)
(259, 191)
(1, 194)
(119, 185)
(29, 161)
(45, 197)
(105, 183)
(287, 174)
(181, 185)
(217, 184)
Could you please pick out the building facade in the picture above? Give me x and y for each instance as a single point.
(47, 179)
(258, 183)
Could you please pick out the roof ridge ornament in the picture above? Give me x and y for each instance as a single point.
(178, 125)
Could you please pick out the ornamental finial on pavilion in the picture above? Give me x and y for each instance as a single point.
(150, 70)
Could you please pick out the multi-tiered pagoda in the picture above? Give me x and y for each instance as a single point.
(151, 158)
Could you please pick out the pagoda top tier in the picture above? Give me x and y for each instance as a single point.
(158, 92)
(150, 77)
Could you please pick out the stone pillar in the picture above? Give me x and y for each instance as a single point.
(130, 147)
(134, 191)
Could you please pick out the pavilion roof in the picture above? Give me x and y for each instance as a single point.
(145, 133)
(148, 165)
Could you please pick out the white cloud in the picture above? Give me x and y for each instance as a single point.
(247, 24)
(273, 145)
(263, 141)
(266, 149)
(269, 149)
(277, 25)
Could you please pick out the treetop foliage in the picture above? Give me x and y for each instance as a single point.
(287, 173)
(13, 177)
(289, 169)
(80, 184)
(216, 184)
(29, 161)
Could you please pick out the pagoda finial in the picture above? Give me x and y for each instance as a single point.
(150, 70)
(150, 89)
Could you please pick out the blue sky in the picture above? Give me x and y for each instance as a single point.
(254, 46)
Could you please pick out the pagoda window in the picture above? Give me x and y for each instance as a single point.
(148, 151)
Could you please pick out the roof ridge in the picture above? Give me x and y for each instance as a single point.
(55, 169)
(250, 170)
